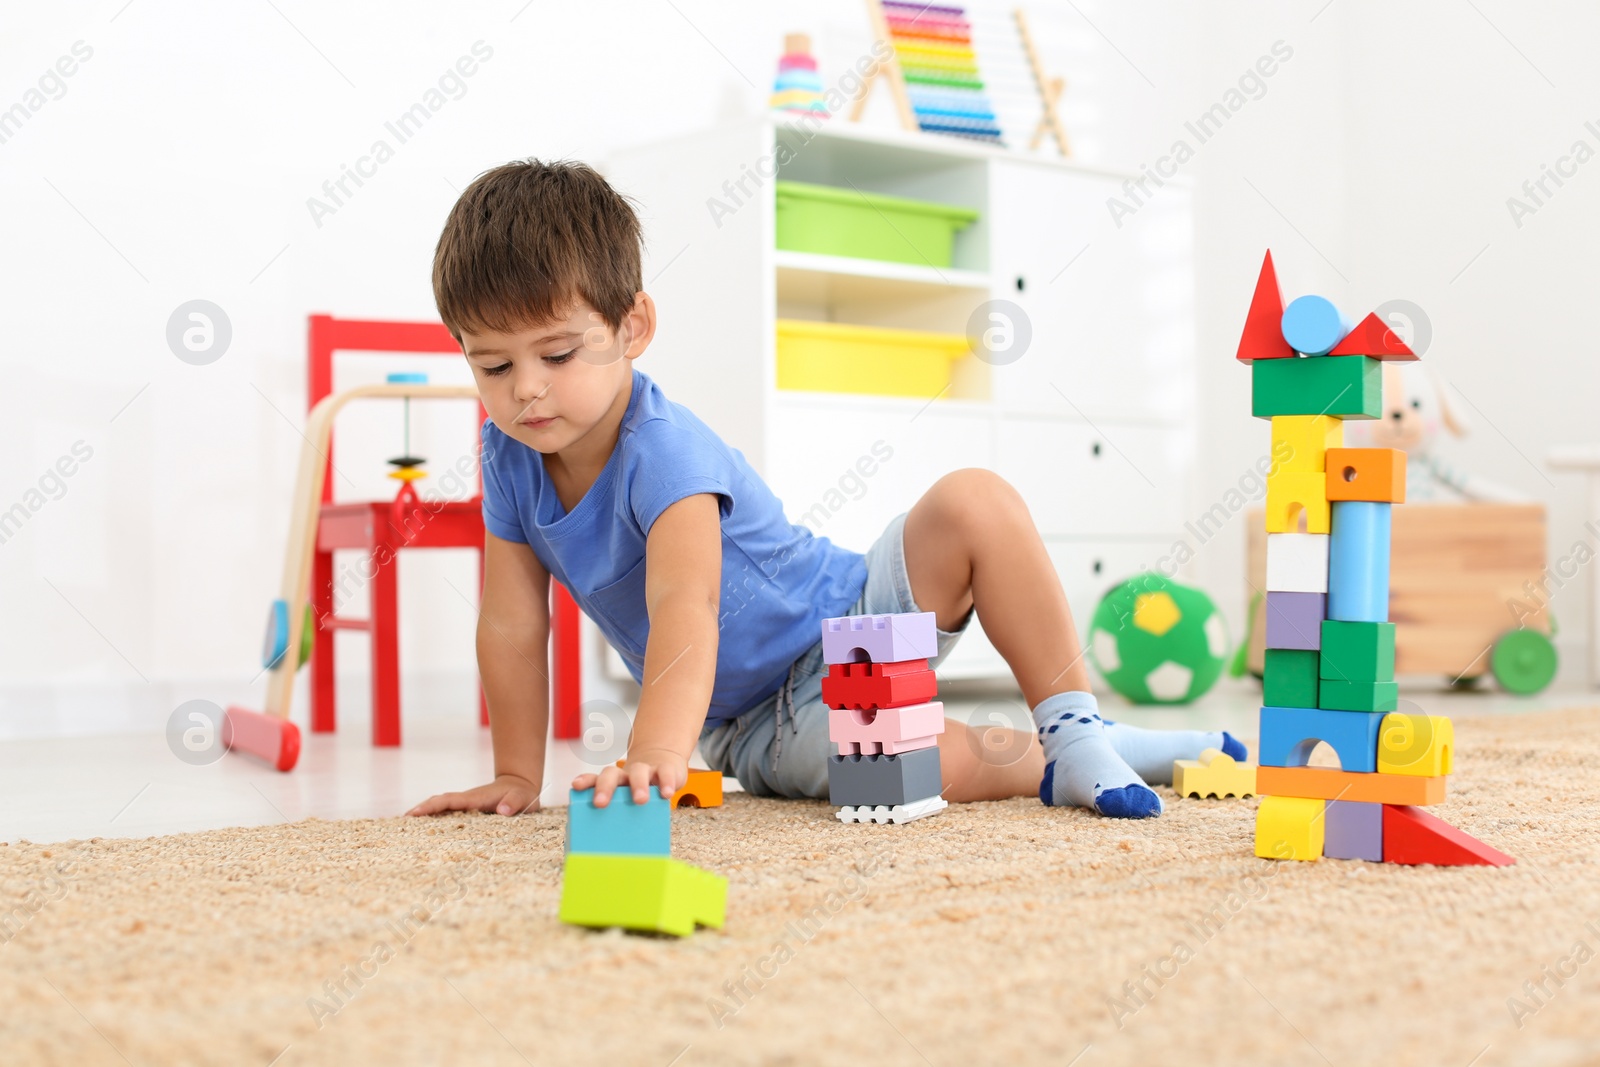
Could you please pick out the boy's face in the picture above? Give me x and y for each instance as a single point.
(548, 386)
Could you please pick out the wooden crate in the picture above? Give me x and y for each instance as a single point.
(1455, 571)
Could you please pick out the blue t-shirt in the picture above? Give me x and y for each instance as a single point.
(778, 580)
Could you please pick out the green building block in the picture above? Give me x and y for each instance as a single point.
(1350, 387)
(1357, 651)
(1358, 696)
(654, 893)
(1289, 679)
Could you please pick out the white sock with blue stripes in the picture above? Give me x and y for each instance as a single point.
(1081, 768)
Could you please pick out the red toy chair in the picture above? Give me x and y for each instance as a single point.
(381, 529)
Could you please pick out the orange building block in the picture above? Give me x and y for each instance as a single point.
(1375, 474)
(1325, 783)
(702, 790)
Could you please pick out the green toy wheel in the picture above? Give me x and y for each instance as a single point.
(1524, 661)
(308, 636)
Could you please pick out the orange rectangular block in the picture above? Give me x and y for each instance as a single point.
(1375, 474)
(1326, 783)
(702, 790)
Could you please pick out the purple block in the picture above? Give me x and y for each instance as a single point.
(1353, 830)
(881, 638)
(1294, 620)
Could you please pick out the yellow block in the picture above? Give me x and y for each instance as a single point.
(1214, 774)
(1415, 744)
(1301, 442)
(1290, 492)
(1289, 828)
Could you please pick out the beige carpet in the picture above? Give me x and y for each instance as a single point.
(994, 933)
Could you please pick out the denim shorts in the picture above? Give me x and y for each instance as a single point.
(780, 747)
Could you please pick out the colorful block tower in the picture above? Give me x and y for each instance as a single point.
(1329, 673)
(882, 716)
(620, 871)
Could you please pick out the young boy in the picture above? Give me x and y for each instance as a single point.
(592, 475)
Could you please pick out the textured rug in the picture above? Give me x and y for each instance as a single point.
(993, 933)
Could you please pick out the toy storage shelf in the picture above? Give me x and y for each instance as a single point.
(1093, 422)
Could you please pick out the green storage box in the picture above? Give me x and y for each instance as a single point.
(843, 222)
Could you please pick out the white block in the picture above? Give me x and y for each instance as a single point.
(897, 813)
(1297, 563)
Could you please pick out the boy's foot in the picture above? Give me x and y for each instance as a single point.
(1150, 752)
(1081, 768)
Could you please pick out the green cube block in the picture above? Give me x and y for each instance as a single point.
(1358, 696)
(654, 893)
(1289, 679)
(1357, 651)
(1350, 387)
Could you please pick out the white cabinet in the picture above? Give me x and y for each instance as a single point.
(1090, 423)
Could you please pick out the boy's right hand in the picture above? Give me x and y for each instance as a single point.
(508, 794)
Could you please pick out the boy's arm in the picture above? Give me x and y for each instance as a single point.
(682, 589)
(513, 661)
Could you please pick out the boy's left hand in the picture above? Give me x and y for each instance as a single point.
(644, 767)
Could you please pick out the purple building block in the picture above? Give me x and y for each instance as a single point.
(880, 638)
(1294, 620)
(1353, 830)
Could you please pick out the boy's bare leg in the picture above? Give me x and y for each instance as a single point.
(988, 763)
(970, 544)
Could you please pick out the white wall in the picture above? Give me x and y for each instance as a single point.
(178, 161)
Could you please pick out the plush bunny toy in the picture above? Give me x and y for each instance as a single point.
(1415, 407)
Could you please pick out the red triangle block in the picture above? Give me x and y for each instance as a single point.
(1372, 338)
(1263, 328)
(1411, 835)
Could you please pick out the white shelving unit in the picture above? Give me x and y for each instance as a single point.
(1093, 422)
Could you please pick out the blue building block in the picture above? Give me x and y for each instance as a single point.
(621, 828)
(1289, 734)
(1311, 324)
(1358, 561)
(1352, 830)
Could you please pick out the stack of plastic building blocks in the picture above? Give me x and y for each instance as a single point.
(882, 717)
(620, 871)
(1330, 645)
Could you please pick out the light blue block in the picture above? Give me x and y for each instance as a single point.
(1289, 734)
(621, 828)
(1311, 324)
(1358, 561)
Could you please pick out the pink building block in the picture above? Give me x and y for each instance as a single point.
(886, 730)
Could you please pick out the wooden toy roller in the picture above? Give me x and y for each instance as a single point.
(269, 735)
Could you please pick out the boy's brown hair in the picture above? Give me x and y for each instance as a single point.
(529, 238)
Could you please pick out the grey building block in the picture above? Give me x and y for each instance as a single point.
(883, 780)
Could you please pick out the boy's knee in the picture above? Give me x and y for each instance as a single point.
(976, 495)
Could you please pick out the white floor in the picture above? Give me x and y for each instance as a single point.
(133, 785)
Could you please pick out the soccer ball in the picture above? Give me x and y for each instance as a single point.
(1158, 642)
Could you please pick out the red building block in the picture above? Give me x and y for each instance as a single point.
(878, 685)
(1372, 338)
(1411, 835)
(1263, 327)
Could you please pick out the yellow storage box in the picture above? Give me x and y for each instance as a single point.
(833, 357)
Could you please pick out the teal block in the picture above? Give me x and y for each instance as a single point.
(621, 827)
(1350, 387)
